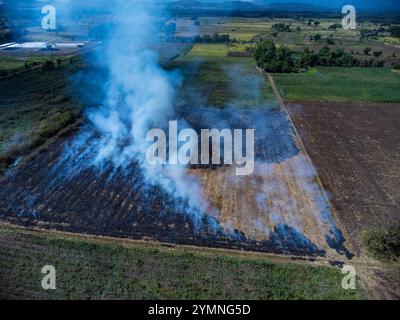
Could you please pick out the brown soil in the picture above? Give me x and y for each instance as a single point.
(356, 149)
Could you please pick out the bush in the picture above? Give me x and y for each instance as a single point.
(383, 243)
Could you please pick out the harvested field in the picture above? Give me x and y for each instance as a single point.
(356, 149)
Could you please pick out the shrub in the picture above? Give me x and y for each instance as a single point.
(383, 243)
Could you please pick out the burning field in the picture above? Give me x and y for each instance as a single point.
(97, 179)
(280, 208)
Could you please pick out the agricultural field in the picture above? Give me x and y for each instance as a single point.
(355, 103)
(218, 90)
(45, 108)
(355, 149)
(333, 84)
(11, 64)
(247, 31)
(233, 92)
(242, 30)
(210, 73)
(106, 268)
(326, 162)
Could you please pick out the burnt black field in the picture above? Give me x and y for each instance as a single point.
(118, 203)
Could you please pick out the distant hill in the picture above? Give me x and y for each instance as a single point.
(361, 4)
(296, 6)
(217, 4)
(245, 5)
(392, 6)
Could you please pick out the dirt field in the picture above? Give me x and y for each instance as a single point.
(356, 148)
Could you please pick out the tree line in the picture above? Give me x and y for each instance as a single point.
(282, 60)
(215, 38)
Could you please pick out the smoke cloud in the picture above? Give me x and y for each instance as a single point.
(139, 96)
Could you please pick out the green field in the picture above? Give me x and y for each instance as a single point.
(213, 79)
(246, 29)
(98, 268)
(34, 106)
(11, 64)
(341, 85)
(29, 98)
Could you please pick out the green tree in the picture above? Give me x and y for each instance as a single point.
(317, 37)
(330, 41)
(273, 59)
(308, 58)
(367, 51)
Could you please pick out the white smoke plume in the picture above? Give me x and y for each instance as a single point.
(139, 97)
